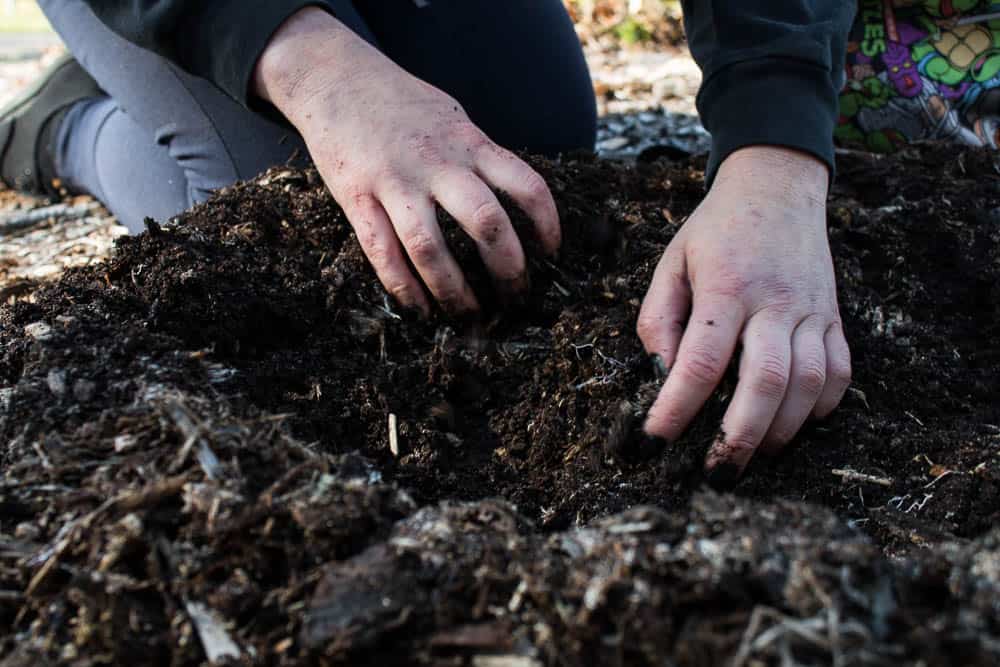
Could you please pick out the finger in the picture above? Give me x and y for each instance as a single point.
(414, 217)
(505, 171)
(477, 210)
(805, 384)
(665, 308)
(381, 247)
(763, 381)
(705, 351)
(838, 371)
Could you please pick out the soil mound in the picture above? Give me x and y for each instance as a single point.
(197, 457)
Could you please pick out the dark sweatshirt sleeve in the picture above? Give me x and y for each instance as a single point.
(219, 40)
(771, 72)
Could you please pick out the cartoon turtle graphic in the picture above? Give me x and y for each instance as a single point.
(957, 52)
(926, 116)
(858, 95)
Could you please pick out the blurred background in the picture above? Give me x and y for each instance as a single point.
(635, 47)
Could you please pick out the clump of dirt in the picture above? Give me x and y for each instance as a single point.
(198, 459)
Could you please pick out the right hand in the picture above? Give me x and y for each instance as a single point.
(389, 147)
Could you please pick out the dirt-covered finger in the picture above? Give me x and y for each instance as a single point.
(414, 218)
(380, 245)
(705, 350)
(766, 367)
(505, 171)
(665, 309)
(805, 385)
(477, 210)
(838, 371)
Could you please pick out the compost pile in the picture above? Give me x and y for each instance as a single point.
(227, 445)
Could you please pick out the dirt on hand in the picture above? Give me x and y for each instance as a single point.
(198, 462)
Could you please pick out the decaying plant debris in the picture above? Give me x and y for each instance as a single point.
(197, 458)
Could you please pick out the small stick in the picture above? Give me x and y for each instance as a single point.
(22, 219)
(393, 434)
(854, 476)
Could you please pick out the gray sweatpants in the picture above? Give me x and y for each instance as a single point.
(162, 139)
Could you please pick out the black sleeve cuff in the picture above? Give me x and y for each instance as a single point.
(227, 43)
(773, 101)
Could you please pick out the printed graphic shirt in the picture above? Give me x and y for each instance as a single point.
(922, 69)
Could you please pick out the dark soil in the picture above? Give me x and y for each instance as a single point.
(197, 459)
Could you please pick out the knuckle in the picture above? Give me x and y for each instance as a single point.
(466, 132)
(401, 292)
(812, 377)
(771, 377)
(427, 149)
(359, 197)
(726, 286)
(488, 220)
(842, 372)
(703, 365)
(423, 248)
(779, 293)
(740, 442)
(377, 251)
(648, 325)
(535, 187)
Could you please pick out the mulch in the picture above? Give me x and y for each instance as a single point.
(199, 447)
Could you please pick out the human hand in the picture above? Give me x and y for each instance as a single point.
(751, 265)
(389, 146)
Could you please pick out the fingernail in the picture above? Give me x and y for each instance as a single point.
(659, 367)
(723, 476)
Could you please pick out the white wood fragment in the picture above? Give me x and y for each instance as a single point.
(393, 434)
(215, 639)
(504, 661)
(40, 331)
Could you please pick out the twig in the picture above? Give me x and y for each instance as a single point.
(938, 478)
(13, 222)
(854, 476)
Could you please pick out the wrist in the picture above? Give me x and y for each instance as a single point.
(309, 44)
(781, 172)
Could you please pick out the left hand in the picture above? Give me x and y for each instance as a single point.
(752, 265)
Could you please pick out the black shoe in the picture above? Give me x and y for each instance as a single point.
(28, 124)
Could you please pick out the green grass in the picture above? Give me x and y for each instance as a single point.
(26, 17)
(631, 31)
